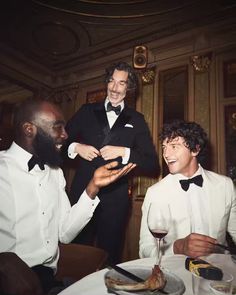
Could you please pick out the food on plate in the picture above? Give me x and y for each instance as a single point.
(156, 281)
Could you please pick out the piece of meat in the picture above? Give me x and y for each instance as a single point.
(156, 281)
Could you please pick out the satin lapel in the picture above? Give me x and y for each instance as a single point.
(213, 191)
(120, 123)
(101, 116)
(122, 120)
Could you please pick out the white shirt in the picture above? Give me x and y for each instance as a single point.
(191, 211)
(35, 212)
(198, 207)
(111, 117)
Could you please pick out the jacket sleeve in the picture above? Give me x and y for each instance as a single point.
(232, 217)
(73, 128)
(143, 151)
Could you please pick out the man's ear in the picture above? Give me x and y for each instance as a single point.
(197, 150)
(29, 129)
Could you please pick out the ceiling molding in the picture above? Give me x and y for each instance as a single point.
(51, 43)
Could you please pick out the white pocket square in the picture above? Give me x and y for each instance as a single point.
(129, 125)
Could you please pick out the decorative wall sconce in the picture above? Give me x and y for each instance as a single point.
(201, 63)
(148, 75)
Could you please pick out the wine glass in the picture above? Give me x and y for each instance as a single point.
(158, 220)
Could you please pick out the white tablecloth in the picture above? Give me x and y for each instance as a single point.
(93, 284)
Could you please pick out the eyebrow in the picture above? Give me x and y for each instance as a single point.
(124, 81)
(172, 143)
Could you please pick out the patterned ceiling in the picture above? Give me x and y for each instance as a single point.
(115, 10)
(58, 36)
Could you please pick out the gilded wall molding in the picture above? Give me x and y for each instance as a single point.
(148, 75)
(201, 63)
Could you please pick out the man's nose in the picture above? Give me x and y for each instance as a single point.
(114, 86)
(166, 152)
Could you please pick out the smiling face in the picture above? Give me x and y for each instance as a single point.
(178, 157)
(117, 87)
(50, 134)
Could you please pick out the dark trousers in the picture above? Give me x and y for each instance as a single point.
(46, 277)
(106, 229)
(50, 284)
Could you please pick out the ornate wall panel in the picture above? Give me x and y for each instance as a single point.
(201, 93)
(140, 184)
(201, 65)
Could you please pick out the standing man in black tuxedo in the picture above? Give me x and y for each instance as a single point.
(99, 133)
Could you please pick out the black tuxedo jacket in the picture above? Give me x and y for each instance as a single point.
(90, 126)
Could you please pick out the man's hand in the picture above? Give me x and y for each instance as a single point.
(104, 176)
(16, 277)
(87, 152)
(195, 245)
(110, 152)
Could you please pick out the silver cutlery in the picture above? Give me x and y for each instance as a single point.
(126, 273)
(231, 251)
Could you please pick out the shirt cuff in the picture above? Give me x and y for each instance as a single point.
(125, 159)
(84, 198)
(71, 150)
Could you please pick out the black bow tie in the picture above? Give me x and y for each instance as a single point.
(198, 180)
(33, 161)
(117, 109)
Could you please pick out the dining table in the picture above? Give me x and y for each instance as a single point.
(93, 284)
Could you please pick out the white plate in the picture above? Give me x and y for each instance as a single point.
(174, 285)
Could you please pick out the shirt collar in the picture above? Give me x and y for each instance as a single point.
(21, 155)
(198, 172)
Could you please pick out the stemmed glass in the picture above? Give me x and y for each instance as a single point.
(159, 220)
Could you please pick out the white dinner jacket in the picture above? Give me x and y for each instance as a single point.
(221, 198)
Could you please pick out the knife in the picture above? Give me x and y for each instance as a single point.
(223, 247)
(126, 273)
(231, 249)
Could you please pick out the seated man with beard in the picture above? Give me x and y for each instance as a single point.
(35, 213)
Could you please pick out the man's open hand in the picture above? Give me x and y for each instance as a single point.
(106, 175)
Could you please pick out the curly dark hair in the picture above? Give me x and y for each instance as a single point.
(123, 66)
(194, 136)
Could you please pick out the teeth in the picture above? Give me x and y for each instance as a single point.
(58, 146)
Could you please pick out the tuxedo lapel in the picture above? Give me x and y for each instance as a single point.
(101, 116)
(213, 194)
(120, 123)
(121, 120)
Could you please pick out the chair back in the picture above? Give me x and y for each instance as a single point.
(76, 261)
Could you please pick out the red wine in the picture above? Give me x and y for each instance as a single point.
(158, 234)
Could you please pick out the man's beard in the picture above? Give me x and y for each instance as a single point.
(45, 149)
